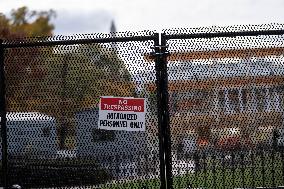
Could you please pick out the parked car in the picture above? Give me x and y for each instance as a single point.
(280, 139)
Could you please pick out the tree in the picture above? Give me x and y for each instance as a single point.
(25, 23)
(77, 76)
(60, 80)
(24, 67)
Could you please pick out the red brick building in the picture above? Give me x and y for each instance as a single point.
(241, 99)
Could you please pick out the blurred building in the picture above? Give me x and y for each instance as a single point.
(219, 102)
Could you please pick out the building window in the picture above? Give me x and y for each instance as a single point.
(99, 135)
(280, 92)
(244, 99)
(275, 98)
(195, 101)
(46, 131)
(221, 100)
(250, 102)
(244, 96)
(234, 103)
(260, 94)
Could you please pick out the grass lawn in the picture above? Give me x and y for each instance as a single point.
(142, 184)
(227, 178)
(230, 178)
(259, 170)
(264, 171)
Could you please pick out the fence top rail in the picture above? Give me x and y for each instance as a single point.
(34, 42)
(223, 34)
(44, 42)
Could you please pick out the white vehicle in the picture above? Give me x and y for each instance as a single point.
(280, 139)
(31, 134)
(190, 144)
(119, 152)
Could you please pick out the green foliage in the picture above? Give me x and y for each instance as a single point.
(25, 23)
(76, 78)
(59, 80)
(83, 74)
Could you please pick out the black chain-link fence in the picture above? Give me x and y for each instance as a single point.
(226, 102)
(214, 119)
(52, 96)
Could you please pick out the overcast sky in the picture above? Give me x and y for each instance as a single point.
(90, 16)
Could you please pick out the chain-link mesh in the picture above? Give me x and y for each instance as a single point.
(52, 95)
(226, 108)
(226, 100)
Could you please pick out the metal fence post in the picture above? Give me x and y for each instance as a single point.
(166, 117)
(3, 118)
(163, 112)
(159, 110)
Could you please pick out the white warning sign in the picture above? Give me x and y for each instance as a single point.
(122, 113)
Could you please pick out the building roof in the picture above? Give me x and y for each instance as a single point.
(211, 73)
(28, 116)
(225, 68)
